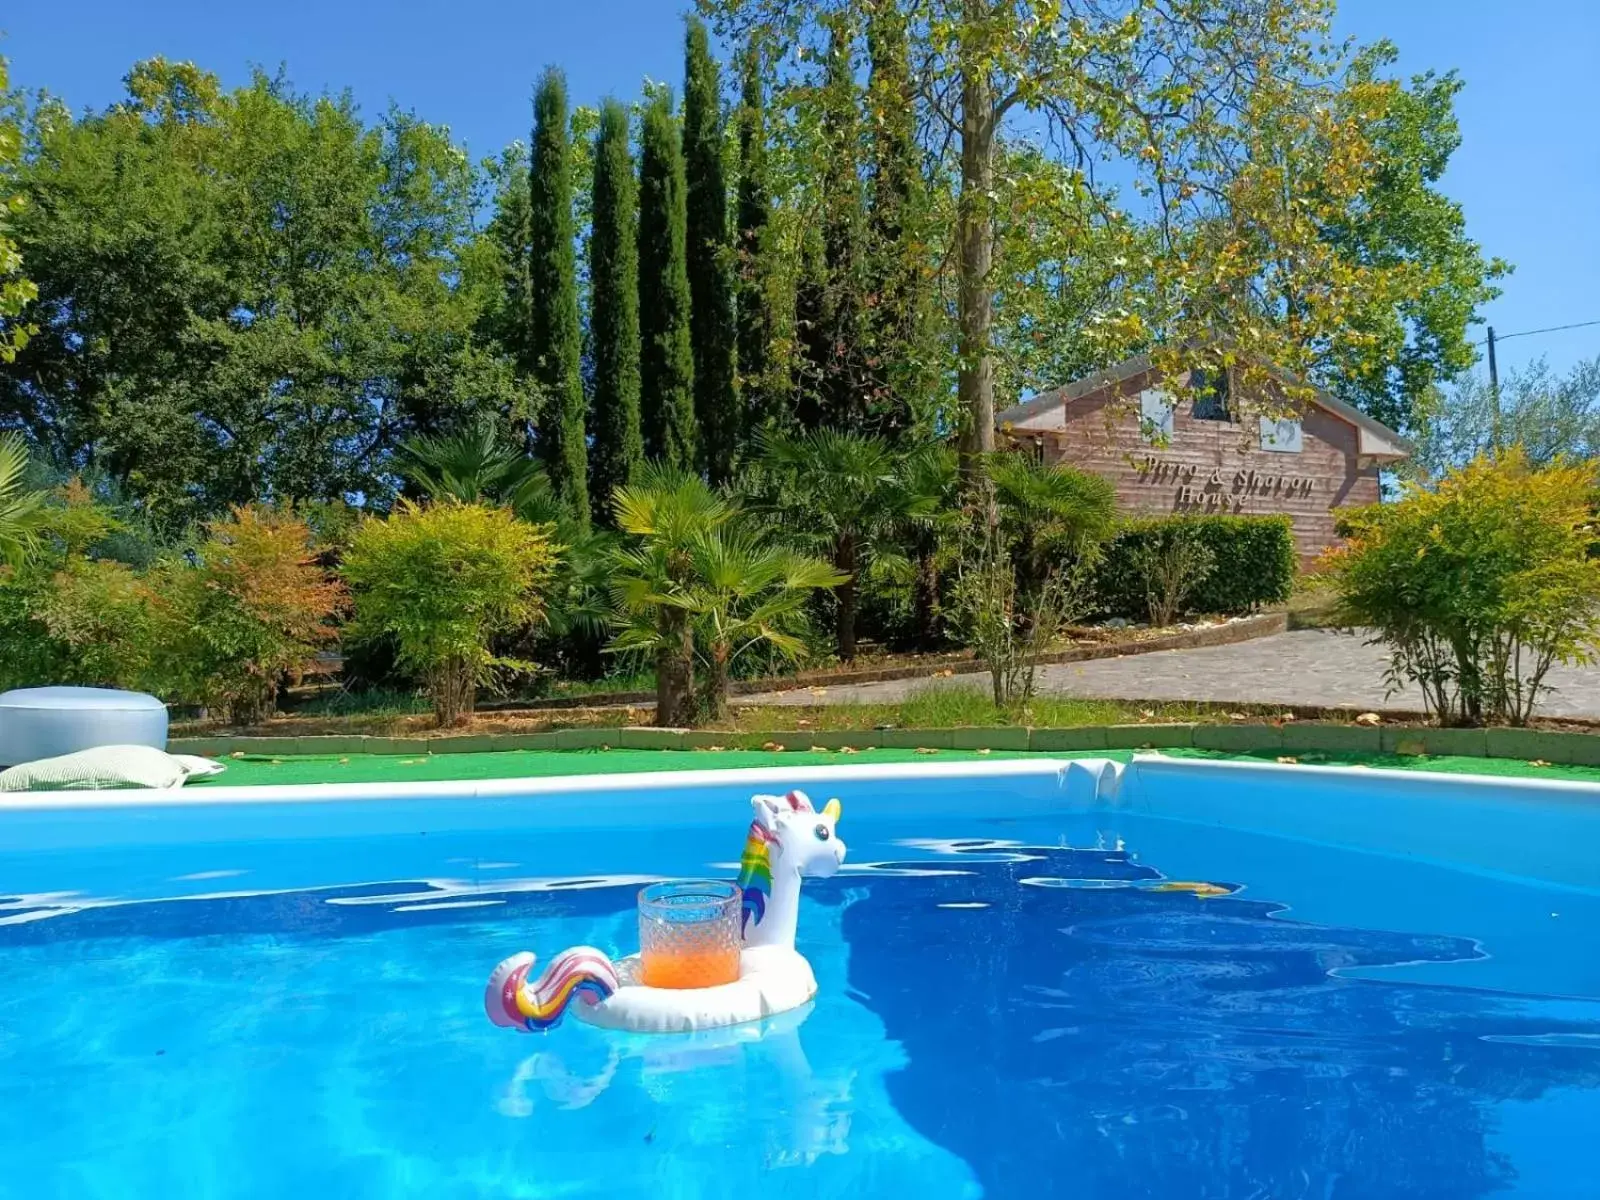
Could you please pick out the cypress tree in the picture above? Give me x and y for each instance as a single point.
(555, 339)
(754, 211)
(843, 383)
(666, 361)
(614, 313)
(897, 320)
(710, 283)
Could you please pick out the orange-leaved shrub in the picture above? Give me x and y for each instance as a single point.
(249, 610)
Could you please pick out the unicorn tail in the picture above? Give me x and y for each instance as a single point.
(582, 973)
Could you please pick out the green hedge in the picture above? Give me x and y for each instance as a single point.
(1254, 556)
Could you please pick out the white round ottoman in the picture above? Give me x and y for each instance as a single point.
(45, 722)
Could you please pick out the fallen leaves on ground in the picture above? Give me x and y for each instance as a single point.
(1369, 718)
(772, 747)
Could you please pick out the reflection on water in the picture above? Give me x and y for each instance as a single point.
(1110, 1036)
(812, 1109)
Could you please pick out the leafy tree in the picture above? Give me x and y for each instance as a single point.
(245, 294)
(506, 319)
(19, 505)
(443, 580)
(252, 609)
(1234, 127)
(1546, 415)
(556, 341)
(666, 365)
(709, 258)
(837, 495)
(664, 514)
(1399, 347)
(15, 290)
(614, 314)
(758, 323)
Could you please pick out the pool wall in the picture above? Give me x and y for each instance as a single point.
(1535, 830)
(1541, 830)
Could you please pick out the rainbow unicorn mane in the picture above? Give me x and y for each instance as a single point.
(755, 876)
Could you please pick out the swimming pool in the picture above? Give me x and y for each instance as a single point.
(1399, 995)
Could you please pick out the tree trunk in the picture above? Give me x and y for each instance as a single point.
(675, 674)
(975, 241)
(254, 705)
(844, 558)
(454, 692)
(716, 685)
(925, 600)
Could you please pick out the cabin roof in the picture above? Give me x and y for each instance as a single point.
(1375, 439)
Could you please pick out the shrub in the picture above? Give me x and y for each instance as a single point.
(252, 608)
(29, 656)
(1253, 563)
(1172, 563)
(1007, 625)
(101, 616)
(1479, 586)
(443, 581)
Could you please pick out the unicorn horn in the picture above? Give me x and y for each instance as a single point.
(832, 809)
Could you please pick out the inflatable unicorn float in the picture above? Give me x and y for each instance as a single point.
(789, 841)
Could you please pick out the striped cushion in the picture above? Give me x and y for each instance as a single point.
(106, 767)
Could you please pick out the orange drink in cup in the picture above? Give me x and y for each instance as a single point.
(689, 934)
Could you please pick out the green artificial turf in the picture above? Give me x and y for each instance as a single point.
(1447, 764)
(255, 770)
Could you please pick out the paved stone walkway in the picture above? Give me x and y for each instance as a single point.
(1310, 667)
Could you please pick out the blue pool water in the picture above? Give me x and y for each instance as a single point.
(1009, 1005)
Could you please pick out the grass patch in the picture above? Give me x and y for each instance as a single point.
(368, 702)
(1312, 606)
(621, 681)
(931, 707)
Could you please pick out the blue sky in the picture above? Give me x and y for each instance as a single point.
(1528, 172)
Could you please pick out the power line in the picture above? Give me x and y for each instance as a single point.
(1501, 337)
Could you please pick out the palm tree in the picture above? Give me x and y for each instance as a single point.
(20, 506)
(477, 465)
(928, 518)
(746, 589)
(665, 512)
(1054, 517)
(838, 491)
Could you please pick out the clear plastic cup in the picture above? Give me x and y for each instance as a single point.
(689, 934)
